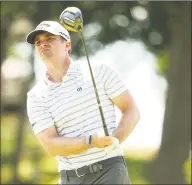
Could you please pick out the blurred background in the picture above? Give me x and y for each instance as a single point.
(147, 43)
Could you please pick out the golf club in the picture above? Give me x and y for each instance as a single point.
(71, 19)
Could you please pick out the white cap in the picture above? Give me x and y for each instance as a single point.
(48, 26)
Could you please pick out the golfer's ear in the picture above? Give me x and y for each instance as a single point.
(68, 45)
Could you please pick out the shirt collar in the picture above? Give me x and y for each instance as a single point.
(73, 70)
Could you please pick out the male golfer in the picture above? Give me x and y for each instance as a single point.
(64, 114)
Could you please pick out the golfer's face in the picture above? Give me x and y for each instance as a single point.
(49, 46)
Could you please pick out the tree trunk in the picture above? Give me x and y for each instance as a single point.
(21, 114)
(168, 167)
(22, 110)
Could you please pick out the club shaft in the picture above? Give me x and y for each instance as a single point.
(95, 88)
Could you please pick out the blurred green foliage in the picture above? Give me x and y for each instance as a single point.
(163, 62)
(117, 23)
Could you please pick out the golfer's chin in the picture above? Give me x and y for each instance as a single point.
(46, 56)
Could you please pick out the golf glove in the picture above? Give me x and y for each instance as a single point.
(114, 148)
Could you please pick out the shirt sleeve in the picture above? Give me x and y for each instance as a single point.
(113, 84)
(39, 116)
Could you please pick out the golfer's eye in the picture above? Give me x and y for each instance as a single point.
(50, 38)
(37, 43)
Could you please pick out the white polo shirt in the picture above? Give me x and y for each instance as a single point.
(71, 107)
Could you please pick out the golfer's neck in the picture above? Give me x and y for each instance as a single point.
(56, 70)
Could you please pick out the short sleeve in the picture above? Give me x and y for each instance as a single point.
(39, 116)
(113, 84)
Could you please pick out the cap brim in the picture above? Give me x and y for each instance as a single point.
(31, 36)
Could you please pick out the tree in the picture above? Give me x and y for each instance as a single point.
(168, 167)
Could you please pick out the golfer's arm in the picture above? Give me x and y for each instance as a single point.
(57, 145)
(130, 116)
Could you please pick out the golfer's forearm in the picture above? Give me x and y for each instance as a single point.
(65, 146)
(127, 123)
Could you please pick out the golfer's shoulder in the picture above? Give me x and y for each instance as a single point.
(37, 91)
(101, 69)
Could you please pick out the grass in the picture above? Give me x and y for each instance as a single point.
(44, 170)
(37, 167)
(137, 162)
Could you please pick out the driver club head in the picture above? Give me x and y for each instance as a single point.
(71, 19)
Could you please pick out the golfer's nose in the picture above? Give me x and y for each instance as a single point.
(43, 44)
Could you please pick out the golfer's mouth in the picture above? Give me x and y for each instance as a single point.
(44, 50)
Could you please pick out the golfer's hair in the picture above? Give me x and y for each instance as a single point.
(66, 40)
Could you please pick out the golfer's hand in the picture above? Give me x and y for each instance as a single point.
(114, 145)
(101, 141)
(114, 148)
